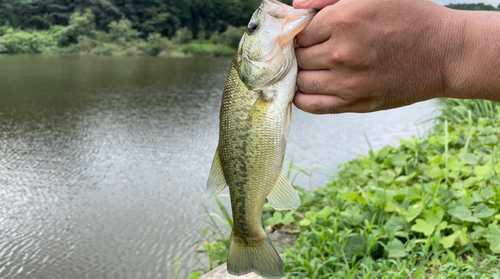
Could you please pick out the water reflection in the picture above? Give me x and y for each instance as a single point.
(103, 161)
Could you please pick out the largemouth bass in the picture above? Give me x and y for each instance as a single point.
(255, 120)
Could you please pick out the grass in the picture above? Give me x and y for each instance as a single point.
(428, 208)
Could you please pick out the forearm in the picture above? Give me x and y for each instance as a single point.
(474, 66)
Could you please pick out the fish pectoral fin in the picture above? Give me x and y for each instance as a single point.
(283, 196)
(288, 121)
(216, 180)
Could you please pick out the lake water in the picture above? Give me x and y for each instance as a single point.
(103, 160)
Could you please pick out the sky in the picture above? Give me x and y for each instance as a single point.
(494, 3)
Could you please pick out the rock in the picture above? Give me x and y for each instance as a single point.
(220, 272)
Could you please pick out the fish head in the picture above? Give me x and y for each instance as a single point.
(266, 50)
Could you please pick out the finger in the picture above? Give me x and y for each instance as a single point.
(317, 31)
(319, 104)
(328, 104)
(312, 4)
(316, 82)
(316, 57)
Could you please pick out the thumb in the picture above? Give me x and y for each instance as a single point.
(312, 4)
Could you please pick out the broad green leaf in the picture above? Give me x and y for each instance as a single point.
(454, 227)
(413, 211)
(484, 170)
(433, 171)
(482, 122)
(489, 140)
(404, 178)
(351, 196)
(478, 231)
(483, 211)
(423, 226)
(288, 218)
(433, 217)
(458, 185)
(399, 160)
(463, 214)
(487, 193)
(449, 240)
(463, 236)
(493, 237)
(394, 223)
(325, 212)
(470, 159)
(434, 159)
(387, 176)
(476, 197)
(194, 275)
(305, 222)
(442, 226)
(276, 219)
(396, 248)
(355, 246)
(451, 255)
(391, 207)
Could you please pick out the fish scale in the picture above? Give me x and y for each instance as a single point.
(254, 119)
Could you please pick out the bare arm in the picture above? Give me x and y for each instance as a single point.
(474, 68)
(365, 55)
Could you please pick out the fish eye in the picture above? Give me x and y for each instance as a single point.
(252, 27)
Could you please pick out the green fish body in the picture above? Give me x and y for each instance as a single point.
(255, 119)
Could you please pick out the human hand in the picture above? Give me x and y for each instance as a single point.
(366, 55)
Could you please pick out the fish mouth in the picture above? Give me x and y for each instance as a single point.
(297, 21)
(294, 20)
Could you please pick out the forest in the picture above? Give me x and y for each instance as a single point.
(130, 27)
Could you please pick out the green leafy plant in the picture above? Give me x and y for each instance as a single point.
(428, 207)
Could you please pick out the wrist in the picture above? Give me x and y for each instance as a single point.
(472, 65)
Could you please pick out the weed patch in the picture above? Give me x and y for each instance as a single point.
(429, 207)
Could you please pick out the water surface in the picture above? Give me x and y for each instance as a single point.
(103, 160)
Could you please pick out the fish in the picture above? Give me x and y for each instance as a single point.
(254, 124)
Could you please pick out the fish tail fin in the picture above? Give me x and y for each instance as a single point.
(258, 256)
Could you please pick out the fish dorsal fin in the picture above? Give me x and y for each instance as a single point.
(288, 121)
(216, 181)
(283, 196)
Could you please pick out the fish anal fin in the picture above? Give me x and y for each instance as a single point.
(258, 256)
(216, 180)
(283, 196)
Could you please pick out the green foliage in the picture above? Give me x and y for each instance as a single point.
(131, 27)
(122, 31)
(425, 208)
(473, 7)
(81, 36)
(83, 24)
(106, 49)
(207, 49)
(80, 24)
(216, 240)
(232, 36)
(182, 36)
(156, 44)
(18, 41)
(428, 196)
(164, 17)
